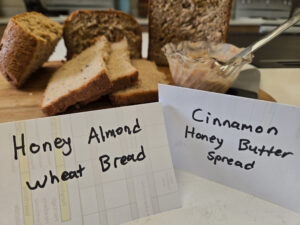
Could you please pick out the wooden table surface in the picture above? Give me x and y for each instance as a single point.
(22, 104)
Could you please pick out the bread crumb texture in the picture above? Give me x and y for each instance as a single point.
(178, 20)
(84, 25)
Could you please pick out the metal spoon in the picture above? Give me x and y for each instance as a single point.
(229, 65)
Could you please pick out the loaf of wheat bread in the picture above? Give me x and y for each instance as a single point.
(145, 89)
(79, 79)
(27, 42)
(120, 71)
(83, 25)
(178, 20)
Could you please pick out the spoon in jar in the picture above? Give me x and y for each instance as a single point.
(229, 66)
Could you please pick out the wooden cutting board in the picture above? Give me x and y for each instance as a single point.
(25, 103)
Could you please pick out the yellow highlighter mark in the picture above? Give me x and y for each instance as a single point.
(60, 168)
(25, 177)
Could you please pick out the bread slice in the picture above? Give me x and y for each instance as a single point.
(78, 79)
(120, 71)
(145, 89)
(27, 42)
(178, 20)
(84, 25)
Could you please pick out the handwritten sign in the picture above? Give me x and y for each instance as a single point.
(250, 145)
(100, 167)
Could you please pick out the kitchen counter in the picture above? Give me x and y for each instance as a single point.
(256, 21)
(282, 84)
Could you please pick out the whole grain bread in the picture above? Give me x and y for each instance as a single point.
(145, 89)
(84, 25)
(178, 20)
(27, 42)
(79, 79)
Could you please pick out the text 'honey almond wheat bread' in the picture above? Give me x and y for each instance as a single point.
(84, 25)
(145, 89)
(28, 41)
(78, 79)
(178, 20)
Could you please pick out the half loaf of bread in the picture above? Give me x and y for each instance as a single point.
(28, 41)
(178, 20)
(145, 89)
(79, 79)
(84, 25)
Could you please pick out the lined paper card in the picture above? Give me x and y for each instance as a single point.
(100, 167)
(247, 144)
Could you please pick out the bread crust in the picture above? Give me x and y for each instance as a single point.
(149, 28)
(100, 85)
(16, 53)
(150, 48)
(118, 84)
(124, 82)
(141, 93)
(134, 98)
(70, 52)
(227, 21)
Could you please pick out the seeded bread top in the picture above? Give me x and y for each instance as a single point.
(178, 20)
(83, 25)
(38, 25)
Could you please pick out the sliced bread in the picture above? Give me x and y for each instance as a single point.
(120, 71)
(27, 42)
(78, 79)
(178, 20)
(84, 25)
(145, 89)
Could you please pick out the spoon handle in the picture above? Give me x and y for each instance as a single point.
(252, 48)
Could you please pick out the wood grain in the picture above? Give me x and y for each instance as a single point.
(22, 104)
(262, 95)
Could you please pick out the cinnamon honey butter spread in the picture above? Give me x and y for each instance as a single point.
(192, 65)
